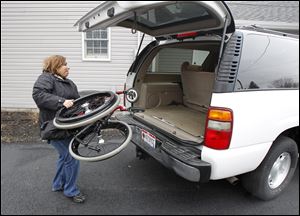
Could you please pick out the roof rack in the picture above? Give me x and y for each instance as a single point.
(270, 31)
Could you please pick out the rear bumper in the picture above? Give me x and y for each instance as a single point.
(183, 160)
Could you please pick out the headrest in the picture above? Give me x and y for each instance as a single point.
(186, 66)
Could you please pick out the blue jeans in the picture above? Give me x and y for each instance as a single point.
(67, 169)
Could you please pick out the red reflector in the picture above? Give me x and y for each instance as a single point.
(119, 92)
(187, 34)
(217, 139)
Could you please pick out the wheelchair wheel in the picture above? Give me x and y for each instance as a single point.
(86, 110)
(100, 141)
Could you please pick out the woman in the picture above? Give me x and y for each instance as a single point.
(51, 91)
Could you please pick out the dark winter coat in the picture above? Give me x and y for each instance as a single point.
(50, 92)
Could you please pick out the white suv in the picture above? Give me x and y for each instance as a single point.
(216, 102)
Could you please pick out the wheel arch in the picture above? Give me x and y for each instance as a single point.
(292, 133)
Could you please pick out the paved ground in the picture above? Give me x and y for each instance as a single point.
(123, 185)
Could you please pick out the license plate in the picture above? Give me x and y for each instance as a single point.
(148, 138)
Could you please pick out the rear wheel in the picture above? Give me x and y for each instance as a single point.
(100, 140)
(275, 172)
(87, 110)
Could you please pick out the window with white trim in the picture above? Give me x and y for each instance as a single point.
(96, 45)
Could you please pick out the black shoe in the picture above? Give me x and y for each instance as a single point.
(79, 198)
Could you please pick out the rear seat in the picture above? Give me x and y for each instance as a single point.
(197, 86)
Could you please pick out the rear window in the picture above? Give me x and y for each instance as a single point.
(174, 13)
(169, 60)
(268, 62)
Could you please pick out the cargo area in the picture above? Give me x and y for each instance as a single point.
(175, 87)
(183, 122)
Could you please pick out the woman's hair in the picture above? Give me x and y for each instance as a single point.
(52, 63)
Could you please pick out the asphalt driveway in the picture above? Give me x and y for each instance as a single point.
(123, 185)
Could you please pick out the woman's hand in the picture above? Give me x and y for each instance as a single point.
(68, 103)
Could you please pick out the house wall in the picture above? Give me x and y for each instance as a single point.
(33, 30)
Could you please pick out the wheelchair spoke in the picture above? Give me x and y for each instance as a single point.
(100, 141)
(87, 110)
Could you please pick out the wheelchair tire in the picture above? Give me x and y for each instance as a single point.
(71, 122)
(87, 146)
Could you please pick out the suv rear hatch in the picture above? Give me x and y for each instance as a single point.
(160, 18)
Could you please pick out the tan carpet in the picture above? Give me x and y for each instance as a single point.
(186, 119)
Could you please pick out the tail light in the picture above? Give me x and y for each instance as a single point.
(218, 129)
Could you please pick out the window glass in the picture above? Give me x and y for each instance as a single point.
(104, 44)
(103, 34)
(173, 13)
(268, 62)
(89, 34)
(199, 56)
(97, 51)
(89, 44)
(96, 34)
(169, 60)
(96, 44)
(103, 51)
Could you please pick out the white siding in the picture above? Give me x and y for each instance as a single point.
(33, 30)
(170, 60)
